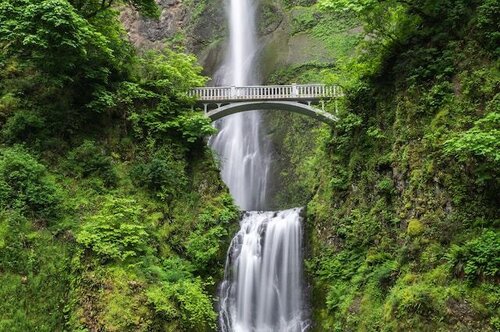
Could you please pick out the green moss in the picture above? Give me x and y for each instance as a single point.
(415, 227)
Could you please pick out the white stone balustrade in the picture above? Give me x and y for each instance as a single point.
(294, 92)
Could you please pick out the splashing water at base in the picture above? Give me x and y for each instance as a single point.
(262, 290)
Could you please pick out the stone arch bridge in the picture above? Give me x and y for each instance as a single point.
(219, 102)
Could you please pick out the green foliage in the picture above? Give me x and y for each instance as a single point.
(26, 186)
(34, 279)
(404, 187)
(116, 232)
(481, 141)
(164, 175)
(479, 147)
(336, 296)
(196, 306)
(74, 91)
(89, 160)
(204, 246)
(477, 258)
(45, 32)
(488, 25)
(303, 19)
(148, 8)
(350, 5)
(386, 186)
(192, 127)
(22, 126)
(165, 106)
(184, 301)
(91, 8)
(414, 299)
(163, 306)
(345, 127)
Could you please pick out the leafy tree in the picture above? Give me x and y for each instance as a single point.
(160, 103)
(53, 37)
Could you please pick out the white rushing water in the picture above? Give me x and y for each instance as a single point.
(262, 290)
(244, 160)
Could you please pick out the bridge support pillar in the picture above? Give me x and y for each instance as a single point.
(323, 105)
(205, 108)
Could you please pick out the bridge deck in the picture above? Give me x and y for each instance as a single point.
(294, 92)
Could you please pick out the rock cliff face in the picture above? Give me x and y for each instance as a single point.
(197, 24)
(201, 26)
(147, 33)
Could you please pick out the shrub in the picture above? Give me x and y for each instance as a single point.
(163, 175)
(22, 126)
(197, 312)
(385, 274)
(477, 258)
(192, 126)
(481, 143)
(303, 20)
(25, 185)
(89, 160)
(204, 247)
(336, 296)
(185, 301)
(116, 231)
(487, 23)
(415, 299)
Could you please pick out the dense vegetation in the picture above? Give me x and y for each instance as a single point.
(113, 216)
(403, 192)
(112, 213)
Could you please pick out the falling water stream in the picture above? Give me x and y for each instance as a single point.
(245, 161)
(262, 290)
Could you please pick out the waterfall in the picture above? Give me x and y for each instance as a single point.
(262, 288)
(263, 279)
(244, 160)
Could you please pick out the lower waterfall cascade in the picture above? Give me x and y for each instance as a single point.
(262, 288)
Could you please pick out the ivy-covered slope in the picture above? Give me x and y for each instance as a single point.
(112, 213)
(403, 192)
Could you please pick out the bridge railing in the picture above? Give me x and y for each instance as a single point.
(267, 92)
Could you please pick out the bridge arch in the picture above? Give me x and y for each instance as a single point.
(289, 106)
